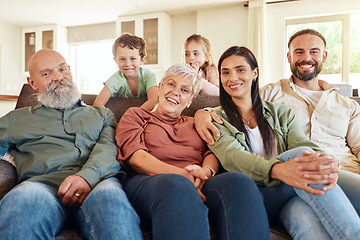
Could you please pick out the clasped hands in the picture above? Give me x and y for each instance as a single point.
(311, 169)
(199, 175)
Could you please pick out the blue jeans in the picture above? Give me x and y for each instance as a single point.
(309, 216)
(170, 206)
(33, 211)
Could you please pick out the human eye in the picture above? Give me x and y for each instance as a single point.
(298, 52)
(187, 54)
(133, 59)
(45, 74)
(224, 72)
(314, 52)
(184, 90)
(196, 54)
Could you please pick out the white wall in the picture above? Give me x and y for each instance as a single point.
(11, 79)
(6, 106)
(183, 25)
(223, 26)
(276, 18)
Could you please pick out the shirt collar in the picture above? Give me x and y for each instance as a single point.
(323, 84)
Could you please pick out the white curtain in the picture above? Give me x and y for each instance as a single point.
(257, 34)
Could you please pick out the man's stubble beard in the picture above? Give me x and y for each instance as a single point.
(60, 98)
(306, 77)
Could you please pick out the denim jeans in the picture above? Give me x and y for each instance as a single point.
(170, 206)
(33, 211)
(309, 216)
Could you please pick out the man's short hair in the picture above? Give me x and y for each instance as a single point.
(131, 41)
(306, 31)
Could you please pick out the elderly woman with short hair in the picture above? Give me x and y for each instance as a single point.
(173, 184)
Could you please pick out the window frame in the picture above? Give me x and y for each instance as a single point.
(345, 19)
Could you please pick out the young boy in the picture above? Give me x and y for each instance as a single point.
(131, 80)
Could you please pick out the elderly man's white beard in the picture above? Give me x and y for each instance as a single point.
(62, 97)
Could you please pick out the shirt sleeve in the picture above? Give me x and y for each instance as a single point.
(149, 79)
(353, 138)
(129, 134)
(115, 83)
(102, 160)
(234, 155)
(4, 134)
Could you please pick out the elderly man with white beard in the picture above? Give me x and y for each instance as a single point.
(65, 155)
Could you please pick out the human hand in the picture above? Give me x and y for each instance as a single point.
(204, 126)
(195, 66)
(293, 172)
(70, 187)
(201, 175)
(322, 166)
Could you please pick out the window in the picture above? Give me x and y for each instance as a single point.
(92, 64)
(342, 33)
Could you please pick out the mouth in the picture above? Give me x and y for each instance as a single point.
(306, 65)
(172, 100)
(128, 69)
(235, 85)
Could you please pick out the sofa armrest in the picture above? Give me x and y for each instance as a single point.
(8, 178)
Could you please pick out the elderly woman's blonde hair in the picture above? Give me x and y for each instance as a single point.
(189, 72)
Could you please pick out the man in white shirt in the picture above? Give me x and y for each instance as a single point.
(330, 120)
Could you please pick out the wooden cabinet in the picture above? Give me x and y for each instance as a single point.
(42, 37)
(155, 29)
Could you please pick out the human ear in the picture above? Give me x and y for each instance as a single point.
(256, 73)
(192, 99)
(324, 56)
(32, 83)
(288, 57)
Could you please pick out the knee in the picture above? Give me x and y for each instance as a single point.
(107, 190)
(301, 149)
(174, 190)
(29, 195)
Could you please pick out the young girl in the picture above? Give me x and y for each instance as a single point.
(264, 141)
(132, 80)
(197, 53)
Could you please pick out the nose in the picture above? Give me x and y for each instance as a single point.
(176, 91)
(307, 56)
(56, 75)
(127, 62)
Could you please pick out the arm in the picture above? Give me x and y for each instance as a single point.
(353, 138)
(103, 97)
(145, 163)
(100, 164)
(152, 96)
(213, 76)
(204, 126)
(209, 88)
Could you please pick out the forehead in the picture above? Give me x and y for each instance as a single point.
(126, 51)
(180, 78)
(44, 63)
(194, 45)
(307, 41)
(234, 61)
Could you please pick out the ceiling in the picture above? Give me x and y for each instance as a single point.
(25, 13)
